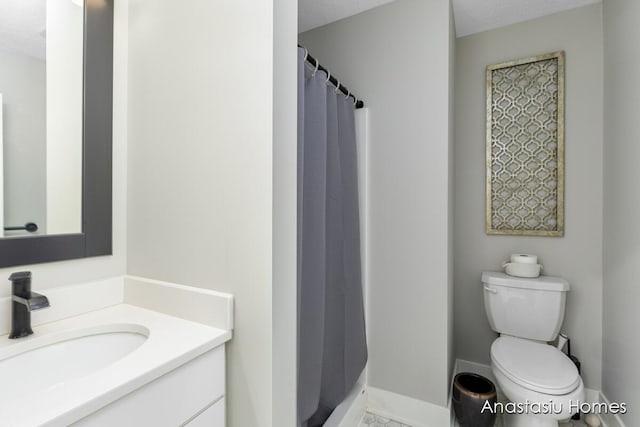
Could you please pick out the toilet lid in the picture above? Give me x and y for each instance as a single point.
(536, 366)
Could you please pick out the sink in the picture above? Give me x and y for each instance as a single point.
(72, 368)
(45, 363)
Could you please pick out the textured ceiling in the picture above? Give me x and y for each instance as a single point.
(471, 16)
(21, 25)
(315, 13)
(474, 16)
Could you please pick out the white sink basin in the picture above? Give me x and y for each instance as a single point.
(44, 363)
(70, 368)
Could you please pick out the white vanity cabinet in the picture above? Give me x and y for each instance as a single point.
(191, 395)
(140, 353)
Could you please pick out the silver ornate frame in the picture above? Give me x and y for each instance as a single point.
(525, 146)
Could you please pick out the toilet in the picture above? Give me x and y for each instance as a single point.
(533, 375)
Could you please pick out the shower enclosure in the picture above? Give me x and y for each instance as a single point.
(332, 350)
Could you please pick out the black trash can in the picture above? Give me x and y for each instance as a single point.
(470, 394)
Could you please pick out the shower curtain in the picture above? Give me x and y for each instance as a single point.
(332, 350)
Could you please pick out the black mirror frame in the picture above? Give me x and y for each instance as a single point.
(97, 129)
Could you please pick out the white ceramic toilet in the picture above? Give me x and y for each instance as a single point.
(528, 313)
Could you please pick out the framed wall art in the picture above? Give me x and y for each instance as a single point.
(525, 146)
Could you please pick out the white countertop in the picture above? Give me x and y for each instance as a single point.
(171, 342)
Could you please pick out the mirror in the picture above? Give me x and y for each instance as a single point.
(56, 59)
(41, 44)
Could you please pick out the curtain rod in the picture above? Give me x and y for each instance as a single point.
(335, 82)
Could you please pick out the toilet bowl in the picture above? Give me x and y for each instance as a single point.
(541, 382)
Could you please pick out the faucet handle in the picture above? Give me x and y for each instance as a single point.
(21, 284)
(20, 276)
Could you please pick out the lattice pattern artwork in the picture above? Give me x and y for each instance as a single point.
(525, 146)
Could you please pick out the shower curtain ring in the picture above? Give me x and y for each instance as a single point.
(337, 86)
(306, 53)
(348, 94)
(316, 69)
(328, 77)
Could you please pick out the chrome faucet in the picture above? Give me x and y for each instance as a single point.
(23, 303)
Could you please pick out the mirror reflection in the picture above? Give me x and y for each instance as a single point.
(41, 48)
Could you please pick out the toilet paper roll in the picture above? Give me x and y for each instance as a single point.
(524, 258)
(519, 269)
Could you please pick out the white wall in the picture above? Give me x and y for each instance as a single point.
(285, 211)
(578, 255)
(1, 167)
(622, 206)
(451, 196)
(22, 84)
(64, 116)
(396, 57)
(79, 271)
(200, 169)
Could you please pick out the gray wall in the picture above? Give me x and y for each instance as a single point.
(578, 255)
(622, 206)
(22, 85)
(396, 57)
(200, 169)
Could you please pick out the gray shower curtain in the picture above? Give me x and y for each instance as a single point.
(332, 350)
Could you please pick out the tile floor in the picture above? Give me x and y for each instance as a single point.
(570, 423)
(371, 420)
(498, 422)
(573, 423)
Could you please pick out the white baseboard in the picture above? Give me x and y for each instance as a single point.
(407, 410)
(591, 396)
(610, 420)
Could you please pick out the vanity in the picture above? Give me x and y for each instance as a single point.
(123, 351)
(143, 353)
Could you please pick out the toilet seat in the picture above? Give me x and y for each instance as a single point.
(536, 366)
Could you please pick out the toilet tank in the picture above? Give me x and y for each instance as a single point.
(525, 308)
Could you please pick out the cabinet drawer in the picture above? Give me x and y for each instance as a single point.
(213, 416)
(170, 400)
